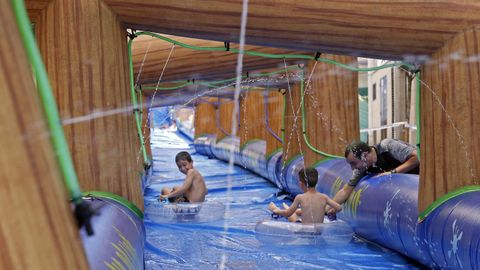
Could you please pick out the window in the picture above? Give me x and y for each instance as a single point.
(374, 91)
(383, 101)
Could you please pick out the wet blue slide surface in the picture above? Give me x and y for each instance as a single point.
(231, 242)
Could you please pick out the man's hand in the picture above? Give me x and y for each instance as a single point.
(384, 173)
(162, 198)
(331, 214)
(331, 211)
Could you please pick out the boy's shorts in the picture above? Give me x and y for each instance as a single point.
(179, 199)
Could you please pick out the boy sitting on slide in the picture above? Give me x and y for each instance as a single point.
(312, 202)
(193, 189)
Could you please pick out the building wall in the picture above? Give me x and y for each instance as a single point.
(400, 104)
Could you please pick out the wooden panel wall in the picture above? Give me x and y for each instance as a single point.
(293, 141)
(275, 111)
(186, 64)
(384, 29)
(84, 47)
(450, 144)
(204, 121)
(252, 117)
(37, 229)
(331, 107)
(225, 121)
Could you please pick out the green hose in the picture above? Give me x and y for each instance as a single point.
(417, 103)
(304, 124)
(48, 101)
(269, 55)
(215, 83)
(136, 109)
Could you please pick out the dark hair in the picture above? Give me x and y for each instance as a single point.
(184, 155)
(309, 176)
(357, 148)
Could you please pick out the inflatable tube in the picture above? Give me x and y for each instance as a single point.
(451, 231)
(204, 144)
(289, 233)
(274, 165)
(289, 177)
(222, 149)
(119, 235)
(185, 130)
(253, 156)
(384, 210)
(165, 213)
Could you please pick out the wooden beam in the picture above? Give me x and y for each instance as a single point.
(252, 117)
(38, 230)
(224, 124)
(84, 48)
(450, 145)
(331, 108)
(205, 118)
(370, 28)
(157, 60)
(275, 109)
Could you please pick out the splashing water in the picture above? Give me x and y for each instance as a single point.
(460, 137)
(243, 27)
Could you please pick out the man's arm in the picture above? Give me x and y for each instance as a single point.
(409, 164)
(403, 152)
(343, 194)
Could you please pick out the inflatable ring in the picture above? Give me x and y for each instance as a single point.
(288, 233)
(184, 212)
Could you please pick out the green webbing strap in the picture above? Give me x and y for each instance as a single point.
(48, 101)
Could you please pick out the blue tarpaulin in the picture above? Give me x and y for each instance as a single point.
(230, 242)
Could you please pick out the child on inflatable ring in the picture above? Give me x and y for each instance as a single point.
(312, 202)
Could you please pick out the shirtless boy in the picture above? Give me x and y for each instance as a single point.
(312, 202)
(193, 189)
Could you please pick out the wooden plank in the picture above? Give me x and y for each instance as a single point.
(275, 111)
(160, 60)
(371, 28)
(331, 107)
(35, 8)
(84, 47)
(224, 124)
(38, 230)
(205, 118)
(450, 145)
(252, 117)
